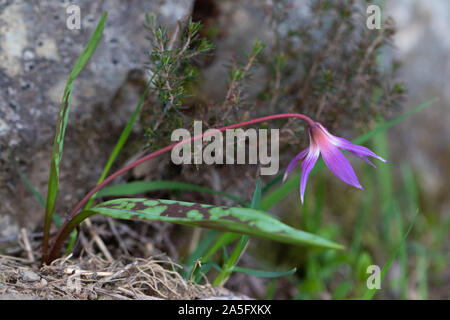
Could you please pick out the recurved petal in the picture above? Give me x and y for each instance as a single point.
(293, 163)
(357, 150)
(307, 166)
(338, 164)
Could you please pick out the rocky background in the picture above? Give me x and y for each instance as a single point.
(423, 46)
(37, 52)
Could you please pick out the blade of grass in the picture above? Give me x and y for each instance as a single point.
(386, 125)
(61, 130)
(120, 143)
(224, 239)
(385, 183)
(263, 273)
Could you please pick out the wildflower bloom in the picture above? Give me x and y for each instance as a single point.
(321, 141)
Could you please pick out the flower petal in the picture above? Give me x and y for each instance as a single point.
(357, 150)
(293, 163)
(338, 164)
(307, 166)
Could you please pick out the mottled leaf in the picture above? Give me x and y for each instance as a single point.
(232, 219)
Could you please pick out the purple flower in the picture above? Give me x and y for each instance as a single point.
(321, 141)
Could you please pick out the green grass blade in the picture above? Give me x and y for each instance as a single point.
(275, 196)
(137, 187)
(121, 142)
(61, 129)
(385, 187)
(256, 200)
(89, 49)
(263, 273)
(386, 125)
(223, 240)
(231, 219)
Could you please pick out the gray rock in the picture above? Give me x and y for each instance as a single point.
(29, 276)
(423, 46)
(37, 52)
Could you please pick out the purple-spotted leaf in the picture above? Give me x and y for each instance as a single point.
(232, 219)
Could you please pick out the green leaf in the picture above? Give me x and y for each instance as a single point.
(223, 240)
(232, 219)
(256, 200)
(137, 187)
(275, 196)
(386, 125)
(61, 128)
(263, 273)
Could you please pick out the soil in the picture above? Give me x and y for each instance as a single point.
(92, 278)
